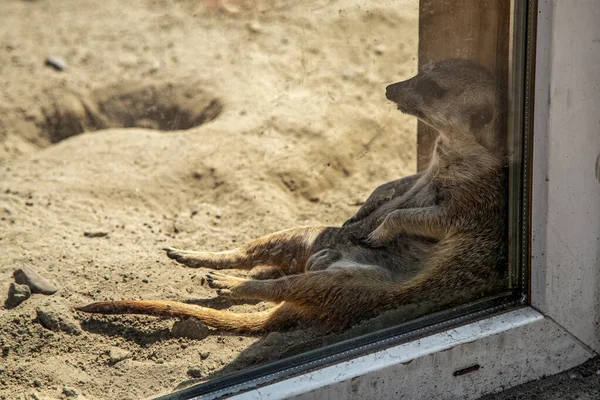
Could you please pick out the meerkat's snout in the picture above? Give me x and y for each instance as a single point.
(406, 98)
(393, 92)
(396, 92)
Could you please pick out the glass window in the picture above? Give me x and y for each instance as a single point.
(323, 175)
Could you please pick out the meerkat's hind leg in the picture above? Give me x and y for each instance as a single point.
(288, 250)
(197, 259)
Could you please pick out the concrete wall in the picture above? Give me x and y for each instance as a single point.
(566, 193)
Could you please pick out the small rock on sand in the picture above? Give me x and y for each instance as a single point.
(56, 321)
(95, 234)
(17, 294)
(194, 373)
(254, 27)
(58, 63)
(116, 355)
(36, 282)
(379, 49)
(190, 328)
(70, 392)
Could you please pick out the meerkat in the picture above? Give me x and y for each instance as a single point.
(437, 236)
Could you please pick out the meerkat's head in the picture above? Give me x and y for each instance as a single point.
(456, 97)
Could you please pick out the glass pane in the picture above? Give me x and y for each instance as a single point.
(322, 174)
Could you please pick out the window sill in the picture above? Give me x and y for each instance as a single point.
(468, 361)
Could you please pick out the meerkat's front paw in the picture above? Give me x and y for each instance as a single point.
(321, 260)
(226, 285)
(350, 221)
(379, 237)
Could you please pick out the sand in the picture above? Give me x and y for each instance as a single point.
(176, 124)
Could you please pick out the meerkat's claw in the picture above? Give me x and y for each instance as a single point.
(226, 285)
(212, 281)
(366, 241)
(216, 280)
(378, 238)
(173, 253)
(185, 257)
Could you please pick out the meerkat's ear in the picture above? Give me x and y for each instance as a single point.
(488, 138)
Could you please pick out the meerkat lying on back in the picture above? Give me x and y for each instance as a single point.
(435, 236)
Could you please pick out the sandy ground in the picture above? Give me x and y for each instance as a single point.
(202, 130)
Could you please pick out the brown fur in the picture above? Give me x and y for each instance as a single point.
(438, 235)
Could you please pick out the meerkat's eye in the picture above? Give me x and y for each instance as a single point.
(429, 89)
(481, 117)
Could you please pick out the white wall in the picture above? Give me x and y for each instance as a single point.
(566, 193)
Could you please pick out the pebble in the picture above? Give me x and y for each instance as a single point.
(70, 392)
(95, 234)
(36, 282)
(155, 66)
(191, 328)
(194, 373)
(273, 338)
(58, 63)
(379, 49)
(17, 294)
(57, 322)
(254, 27)
(116, 355)
(204, 355)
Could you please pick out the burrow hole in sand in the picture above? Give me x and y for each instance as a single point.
(160, 106)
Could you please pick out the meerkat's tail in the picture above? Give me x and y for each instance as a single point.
(279, 317)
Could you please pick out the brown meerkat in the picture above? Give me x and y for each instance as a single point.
(435, 236)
